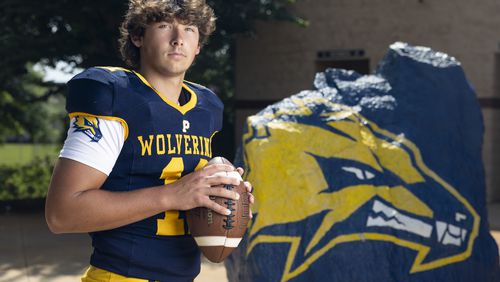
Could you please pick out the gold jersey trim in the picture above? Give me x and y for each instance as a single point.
(122, 121)
(182, 109)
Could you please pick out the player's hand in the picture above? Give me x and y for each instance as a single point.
(249, 187)
(194, 189)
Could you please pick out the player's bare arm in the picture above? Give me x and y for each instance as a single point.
(154, 126)
(76, 204)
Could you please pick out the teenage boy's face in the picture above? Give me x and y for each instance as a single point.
(169, 47)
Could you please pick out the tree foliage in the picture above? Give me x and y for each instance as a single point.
(35, 114)
(84, 33)
(29, 181)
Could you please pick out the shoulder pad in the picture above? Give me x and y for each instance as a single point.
(217, 107)
(196, 86)
(91, 92)
(207, 93)
(102, 74)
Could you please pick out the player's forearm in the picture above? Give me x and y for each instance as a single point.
(75, 203)
(96, 209)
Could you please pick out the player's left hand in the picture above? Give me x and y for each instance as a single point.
(249, 187)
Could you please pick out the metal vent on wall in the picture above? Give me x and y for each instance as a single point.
(349, 59)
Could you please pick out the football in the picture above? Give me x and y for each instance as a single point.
(218, 235)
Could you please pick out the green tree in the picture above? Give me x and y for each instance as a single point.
(84, 33)
(31, 110)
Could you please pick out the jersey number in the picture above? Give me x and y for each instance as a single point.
(172, 224)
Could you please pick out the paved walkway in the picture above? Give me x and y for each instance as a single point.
(30, 253)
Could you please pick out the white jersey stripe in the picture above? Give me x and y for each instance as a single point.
(100, 155)
(213, 241)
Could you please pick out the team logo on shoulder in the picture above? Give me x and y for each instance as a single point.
(89, 126)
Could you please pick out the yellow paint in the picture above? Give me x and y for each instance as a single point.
(301, 171)
(292, 144)
(451, 190)
(345, 202)
(403, 199)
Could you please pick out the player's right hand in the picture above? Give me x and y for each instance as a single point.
(194, 189)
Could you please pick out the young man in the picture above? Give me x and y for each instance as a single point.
(136, 152)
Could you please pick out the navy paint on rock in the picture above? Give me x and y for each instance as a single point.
(421, 96)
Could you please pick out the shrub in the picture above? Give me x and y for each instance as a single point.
(29, 181)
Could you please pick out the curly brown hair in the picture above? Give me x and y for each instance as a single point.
(141, 13)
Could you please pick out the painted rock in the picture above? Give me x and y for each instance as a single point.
(370, 178)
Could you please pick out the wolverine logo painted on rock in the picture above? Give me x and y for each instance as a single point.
(328, 165)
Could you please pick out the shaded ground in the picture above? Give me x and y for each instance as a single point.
(30, 253)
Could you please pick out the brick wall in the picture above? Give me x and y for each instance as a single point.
(281, 59)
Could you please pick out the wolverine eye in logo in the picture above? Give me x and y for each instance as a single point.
(89, 126)
(328, 168)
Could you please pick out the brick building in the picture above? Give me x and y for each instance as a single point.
(283, 58)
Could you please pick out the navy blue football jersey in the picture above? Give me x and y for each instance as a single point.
(164, 141)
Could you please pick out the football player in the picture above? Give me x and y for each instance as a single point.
(139, 138)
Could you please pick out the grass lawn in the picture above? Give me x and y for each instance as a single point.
(24, 153)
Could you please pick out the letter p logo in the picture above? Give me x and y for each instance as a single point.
(185, 126)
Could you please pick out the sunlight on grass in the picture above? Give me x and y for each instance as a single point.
(11, 154)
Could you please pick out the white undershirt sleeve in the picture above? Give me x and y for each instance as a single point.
(99, 150)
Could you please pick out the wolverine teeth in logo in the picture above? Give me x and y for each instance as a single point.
(89, 126)
(327, 164)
